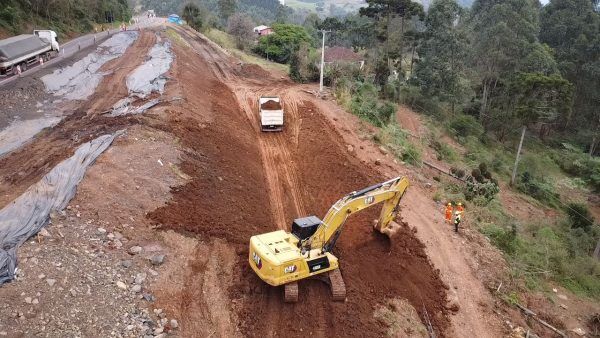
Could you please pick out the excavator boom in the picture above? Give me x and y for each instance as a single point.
(283, 258)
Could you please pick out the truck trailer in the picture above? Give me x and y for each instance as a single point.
(27, 49)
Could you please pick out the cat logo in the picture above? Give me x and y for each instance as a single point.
(369, 199)
(290, 269)
(257, 260)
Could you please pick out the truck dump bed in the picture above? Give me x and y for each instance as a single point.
(271, 113)
(21, 45)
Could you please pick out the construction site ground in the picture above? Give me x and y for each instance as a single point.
(155, 241)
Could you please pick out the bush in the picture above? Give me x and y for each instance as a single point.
(412, 97)
(537, 188)
(365, 105)
(444, 152)
(579, 216)
(397, 141)
(574, 162)
(466, 125)
(486, 191)
(505, 239)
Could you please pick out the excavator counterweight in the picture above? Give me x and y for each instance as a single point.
(283, 258)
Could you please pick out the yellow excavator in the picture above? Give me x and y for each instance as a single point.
(283, 258)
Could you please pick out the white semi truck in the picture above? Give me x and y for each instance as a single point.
(27, 49)
(271, 113)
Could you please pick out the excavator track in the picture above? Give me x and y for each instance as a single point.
(291, 292)
(338, 287)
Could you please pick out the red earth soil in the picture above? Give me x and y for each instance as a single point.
(227, 198)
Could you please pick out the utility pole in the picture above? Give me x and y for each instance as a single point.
(322, 61)
(514, 173)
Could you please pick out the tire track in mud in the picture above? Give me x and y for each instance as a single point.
(28, 164)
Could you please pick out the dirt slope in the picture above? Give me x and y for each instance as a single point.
(245, 182)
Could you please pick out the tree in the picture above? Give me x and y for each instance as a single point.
(502, 34)
(227, 8)
(384, 11)
(191, 14)
(572, 29)
(240, 26)
(280, 45)
(442, 54)
(303, 64)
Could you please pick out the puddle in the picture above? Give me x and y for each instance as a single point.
(79, 81)
(19, 132)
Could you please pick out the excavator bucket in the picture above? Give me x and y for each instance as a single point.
(390, 230)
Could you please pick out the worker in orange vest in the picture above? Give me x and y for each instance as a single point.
(460, 208)
(449, 212)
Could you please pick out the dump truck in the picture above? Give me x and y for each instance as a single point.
(27, 49)
(271, 113)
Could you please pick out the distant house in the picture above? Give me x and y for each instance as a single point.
(263, 30)
(342, 55)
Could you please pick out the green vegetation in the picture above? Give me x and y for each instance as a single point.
(283, 43)
(397, 140)
(63, 16)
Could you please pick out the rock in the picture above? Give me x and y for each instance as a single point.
(50, 281)
(428, 185)
(157, 259)
(44, 232)
(382, 150)
(140, 278)
(110, 236)
(350, 148)
(35, 301)
(377, 162)
(148, 297)
(563, 306)
(174, 324)
(41, 276)
(162, 335)
(563, 297)
(126, 264)
(28, 300)
(130, 327)
(117, 243)
(136, 288)
(3, 333)
(118, 235)
(555, 290)
(101, 231)
(134, 250)
(153, 273)
(158, 330)
(579, 331)
(121, 285)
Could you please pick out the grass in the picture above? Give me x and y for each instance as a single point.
(397, 140)
(226, 41)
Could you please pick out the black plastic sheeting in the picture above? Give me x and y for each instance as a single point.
(29, 213)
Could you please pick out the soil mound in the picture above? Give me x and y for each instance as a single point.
(270, 105)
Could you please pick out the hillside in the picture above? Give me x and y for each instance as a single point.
(63, 16)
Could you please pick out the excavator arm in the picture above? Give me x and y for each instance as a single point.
(389, 192)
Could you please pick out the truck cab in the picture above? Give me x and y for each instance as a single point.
(50, 37)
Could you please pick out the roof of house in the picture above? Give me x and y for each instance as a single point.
(341, 54)
(261, 28)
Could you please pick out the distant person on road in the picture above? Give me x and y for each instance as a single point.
(449, 212)
(457, 220)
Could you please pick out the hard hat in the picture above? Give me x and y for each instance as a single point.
(449, 204)
(459, 204)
